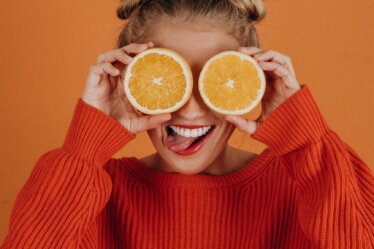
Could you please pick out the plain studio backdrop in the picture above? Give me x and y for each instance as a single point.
(47, 48)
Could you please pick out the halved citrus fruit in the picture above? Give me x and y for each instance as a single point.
(158, 80)
(232, 82)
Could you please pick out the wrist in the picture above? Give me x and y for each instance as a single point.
(93, 135)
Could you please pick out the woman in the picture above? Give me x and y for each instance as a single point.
(308, 189)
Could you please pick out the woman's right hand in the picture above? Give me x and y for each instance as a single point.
(105, 90)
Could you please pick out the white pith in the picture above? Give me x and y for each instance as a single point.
(185, 132)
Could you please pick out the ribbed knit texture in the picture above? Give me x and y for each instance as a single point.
(307, 189)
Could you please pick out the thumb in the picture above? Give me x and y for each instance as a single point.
(145, 122)
(156, 120)
(243, 124)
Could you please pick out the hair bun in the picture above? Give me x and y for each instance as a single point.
(254, 9)
(127, 7)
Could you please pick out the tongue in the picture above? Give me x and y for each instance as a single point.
(178, 143)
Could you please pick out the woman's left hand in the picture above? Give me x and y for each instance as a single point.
(281, 83)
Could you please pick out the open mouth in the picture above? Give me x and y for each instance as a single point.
(187, 141)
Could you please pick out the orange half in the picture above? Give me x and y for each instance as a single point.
(158, 80)
(232, 82)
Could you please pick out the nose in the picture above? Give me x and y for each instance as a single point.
(195, 107)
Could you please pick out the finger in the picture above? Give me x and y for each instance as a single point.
(115, 86)
(114, 55)
(136, 48)
(119, 88)
(277, 69)
(146, 122)
(156, 120)
(250, 50)
(104, 68)
(121, 67)
(243, 124)
(271, 55)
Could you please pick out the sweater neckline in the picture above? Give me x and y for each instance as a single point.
(154, 177)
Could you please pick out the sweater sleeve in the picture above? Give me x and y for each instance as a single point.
(335, 188)
(68, 186)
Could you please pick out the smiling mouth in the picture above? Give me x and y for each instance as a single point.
(187, 141)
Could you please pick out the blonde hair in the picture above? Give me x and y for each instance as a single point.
(236, 17)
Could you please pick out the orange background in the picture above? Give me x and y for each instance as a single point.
(47, 47)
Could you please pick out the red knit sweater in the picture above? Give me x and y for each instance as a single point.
(307, 189)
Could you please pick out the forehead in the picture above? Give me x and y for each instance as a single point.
(196, 43)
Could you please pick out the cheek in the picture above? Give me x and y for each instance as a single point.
(155, 135)
(229, 130)
(226, 129)
(223, 122)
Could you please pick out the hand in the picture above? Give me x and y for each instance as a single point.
(105, 91)
(281, 83)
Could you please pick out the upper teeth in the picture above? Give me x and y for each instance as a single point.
(191, 132)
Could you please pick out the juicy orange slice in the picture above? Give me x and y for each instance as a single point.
(232, 82)
(158, 80)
